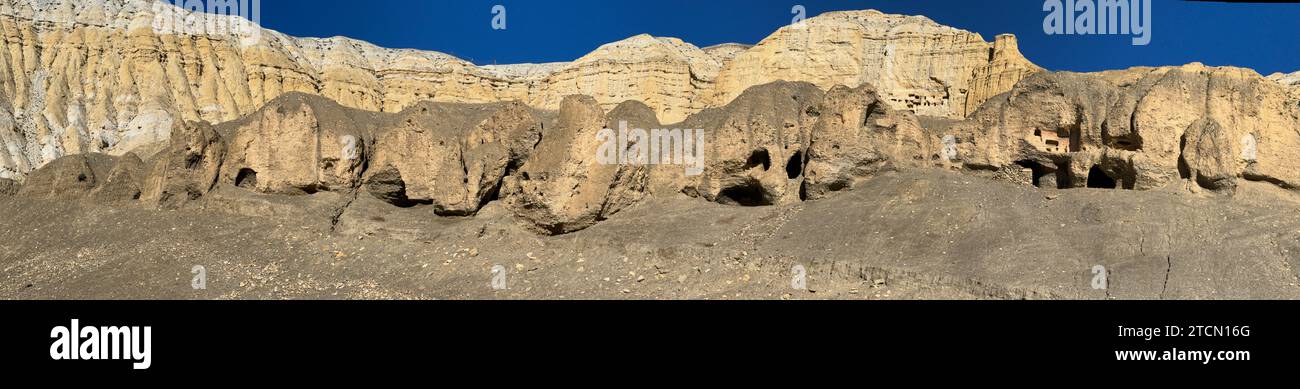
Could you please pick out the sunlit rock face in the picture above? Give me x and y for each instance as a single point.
(914, 63)
(101, 76)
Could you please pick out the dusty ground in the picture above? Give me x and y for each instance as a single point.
(910, 235)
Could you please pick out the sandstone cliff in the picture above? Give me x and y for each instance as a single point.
(1286, 79)
(1206, 128)
(101, 76)
(915, 63)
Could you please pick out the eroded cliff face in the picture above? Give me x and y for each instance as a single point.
(1292, 79)
(1205, 128)
(915, 63)
(101, 76)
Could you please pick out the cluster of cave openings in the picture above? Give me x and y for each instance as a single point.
(1061, 178)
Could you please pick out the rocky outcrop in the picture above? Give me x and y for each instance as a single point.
(71, 176)
(125, 182)
(857, 136)
(9, 187)
(1141, 128)
(297, 144)
(915, 63)
(1292, 79)
(453, 156)
(103, 76)
(754, 146)
(188, 168)
(1197, 128)
(564, 186)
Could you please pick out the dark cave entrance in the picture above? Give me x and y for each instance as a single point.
(1038, 172)
(1098, 178)
(794, 167)
(759, 157)
(749, 194)
(387, 185)
(246, 178)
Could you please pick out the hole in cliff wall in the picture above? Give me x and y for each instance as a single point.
(246, 178)
(758, 157)
(1039, 175)
(748, 194)
(794, 167)
(1098, 178)
(1184, 171)
(1064, 178)
(387, 185)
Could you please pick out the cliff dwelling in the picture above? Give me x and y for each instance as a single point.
(1053, 141)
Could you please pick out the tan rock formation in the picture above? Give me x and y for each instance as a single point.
(124, 182)
(754, 146)
(187, 169)
(9, 187)
(75, 175)
(1141, 128)
(914, 62)
(100, 76)
(562, 187)
(298, 143)
(857, 136)
(451, 155)
(1292, 79)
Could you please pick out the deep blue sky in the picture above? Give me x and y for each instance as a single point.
(1261, 36)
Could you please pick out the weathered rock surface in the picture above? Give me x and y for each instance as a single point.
(102, 76)
(856, 137)
(563, 186)
(125, 182)
(1142, 128)
(9, 187)
(71, 176)
(1286, 79)
(453, 156)
(754, 146)
(915, 63)
(187, 169)
(296, 144)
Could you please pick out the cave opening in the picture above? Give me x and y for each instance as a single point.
(794, 167)
(387, 185)
(1098, 178)
(748, 194)
(246, 178)
(1039, 175)
(759, 157)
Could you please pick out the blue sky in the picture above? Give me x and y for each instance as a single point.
(1265, 37)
